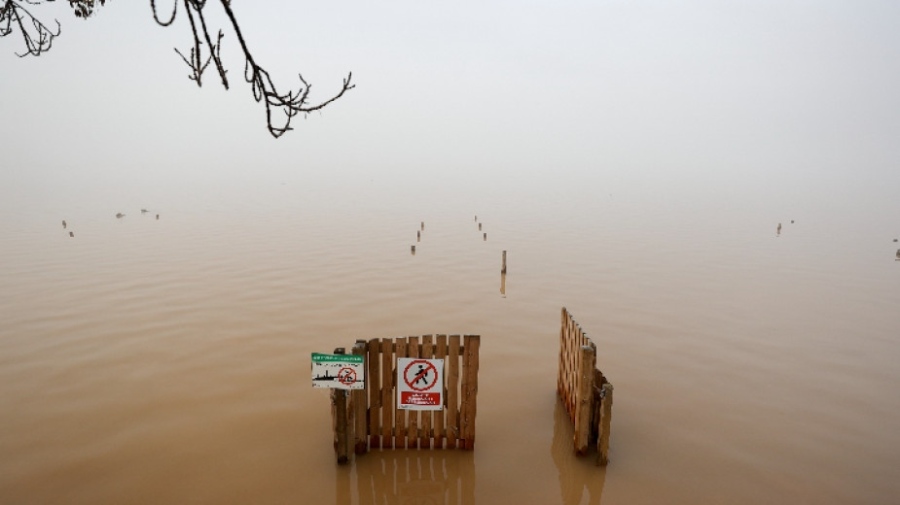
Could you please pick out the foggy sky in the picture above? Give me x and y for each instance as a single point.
(777, 98)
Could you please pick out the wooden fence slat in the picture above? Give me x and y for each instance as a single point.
(374, 376)
(561, 376)
(425, 433)
(453, 433)
(413, 432)
(470, 389)
(387, 367)
(402, 352)
(439, 431)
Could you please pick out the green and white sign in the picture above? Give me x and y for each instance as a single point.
(338, 371)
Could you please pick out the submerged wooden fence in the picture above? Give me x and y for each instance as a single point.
(369, 418)
(583, 389)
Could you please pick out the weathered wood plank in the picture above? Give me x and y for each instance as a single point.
(400, 414)
(470, 366)
(413, 420)
(605, 424)
(387, 367)
(426, 434)
(373, 374)
(439, 432)
(583, 405)
(453, 432)
(358, 401)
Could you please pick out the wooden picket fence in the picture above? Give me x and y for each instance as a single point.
(369, 418)
(583, 389)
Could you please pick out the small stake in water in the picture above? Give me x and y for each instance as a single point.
(778, 230)
(503, 268)
(423, 225)
(485, 235)
(479, 226)
(476, 218)
(412, 250)
(418, 236)
(71, 233)
(64, 226)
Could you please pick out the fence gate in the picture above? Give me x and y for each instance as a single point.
(370, 418)
(583, 389)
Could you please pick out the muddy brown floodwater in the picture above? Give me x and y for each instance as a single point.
(167, 360)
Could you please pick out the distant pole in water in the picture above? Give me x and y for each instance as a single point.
(64, 225)
(418, 236)
(157, 217)
(898, 254)
(423, 225)
(503, 268)
(778, 230)
(412, 250)
(476, 218)
(479, 226)
(71, 233)
(485, 235)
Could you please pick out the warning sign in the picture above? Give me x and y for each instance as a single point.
(338, 371)
(420, 384)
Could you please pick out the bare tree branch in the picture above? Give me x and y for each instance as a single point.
(292, 102)
(38, 39)
(37, 36)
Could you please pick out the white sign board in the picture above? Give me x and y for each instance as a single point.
(420, 384)
(338, 371)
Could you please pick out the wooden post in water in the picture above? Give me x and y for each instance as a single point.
(479, 226)
(341, 424)
(606, 399)
(503, 268)
(358, 401)
(584, 395)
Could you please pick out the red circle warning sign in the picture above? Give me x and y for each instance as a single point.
(346, 376)
(420, 375)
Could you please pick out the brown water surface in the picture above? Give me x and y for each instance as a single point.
(167, 361)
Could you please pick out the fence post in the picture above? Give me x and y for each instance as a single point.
(339, 399)
(606, 399)
(358, 400)
(583, 401)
